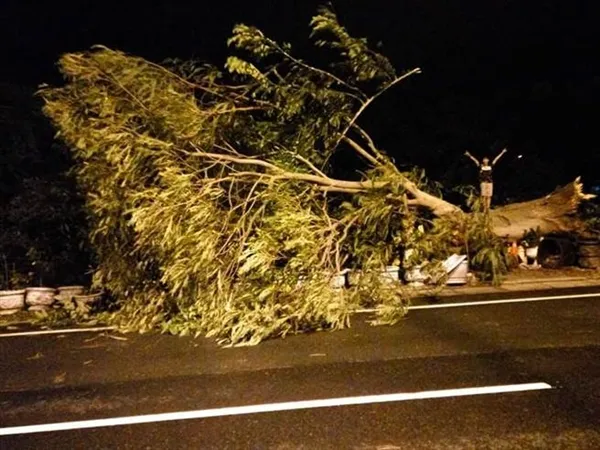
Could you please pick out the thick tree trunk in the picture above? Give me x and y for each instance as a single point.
(555, 212)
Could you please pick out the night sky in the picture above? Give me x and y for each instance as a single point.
(518, 73)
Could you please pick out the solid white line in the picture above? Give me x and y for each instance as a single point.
(491, 302)
(67, 330)
(270, 407)
(499, 302)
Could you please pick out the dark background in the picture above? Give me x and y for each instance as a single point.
(515, 73)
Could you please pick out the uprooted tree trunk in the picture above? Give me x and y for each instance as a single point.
(553, 213)
(556, 212)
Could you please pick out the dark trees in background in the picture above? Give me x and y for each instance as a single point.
(43, 232)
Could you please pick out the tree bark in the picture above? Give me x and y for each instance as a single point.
(556, 212)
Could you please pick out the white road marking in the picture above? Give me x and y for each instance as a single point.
(499, 302)
(271, 407)
(64, 331)
(491, 302)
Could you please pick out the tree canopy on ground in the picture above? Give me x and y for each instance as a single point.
(216, 208)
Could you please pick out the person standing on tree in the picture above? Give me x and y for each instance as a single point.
(485, 178)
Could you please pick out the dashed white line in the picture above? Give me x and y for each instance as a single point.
(271, 407)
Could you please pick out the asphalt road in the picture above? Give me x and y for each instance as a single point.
(67, 378)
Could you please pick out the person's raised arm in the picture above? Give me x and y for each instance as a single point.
(467, 154)
(497, 158)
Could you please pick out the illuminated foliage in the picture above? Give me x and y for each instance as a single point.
(215, 211)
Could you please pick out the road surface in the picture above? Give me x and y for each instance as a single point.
(507, 375)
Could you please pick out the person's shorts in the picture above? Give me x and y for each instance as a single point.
(487, 189)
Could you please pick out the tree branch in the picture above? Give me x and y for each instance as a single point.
(371, 100)
(340, 189)
(359, 94)
(370, 142)
(280, 173)
(361, 151)
(438, 206)
(309, 164)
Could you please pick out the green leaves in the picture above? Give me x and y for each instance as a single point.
(212, 207)
(252, 40)
(241, 67)
(356, 56)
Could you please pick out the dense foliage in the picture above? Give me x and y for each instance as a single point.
(215, 209)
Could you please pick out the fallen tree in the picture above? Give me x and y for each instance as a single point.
(214, 206)
(554, 213)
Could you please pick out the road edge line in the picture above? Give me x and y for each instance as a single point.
(63, 331)
(490, 302)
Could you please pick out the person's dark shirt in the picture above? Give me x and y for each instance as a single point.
(485, 174)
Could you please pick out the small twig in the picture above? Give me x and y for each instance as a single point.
(309, 164)
(234, 110)
(116, 338)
